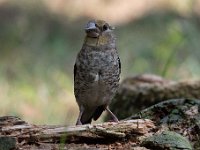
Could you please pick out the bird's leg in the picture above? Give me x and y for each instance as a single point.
(78, 122)
(112, 115)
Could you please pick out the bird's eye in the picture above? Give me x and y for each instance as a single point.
(105, 27)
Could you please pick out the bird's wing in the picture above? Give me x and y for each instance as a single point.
(119, 64)
(75, 69)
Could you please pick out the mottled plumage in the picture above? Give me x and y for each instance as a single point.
(96, 72)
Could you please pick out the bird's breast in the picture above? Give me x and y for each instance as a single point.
(98, 59)
(97, 77)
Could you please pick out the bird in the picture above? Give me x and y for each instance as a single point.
(97, 72)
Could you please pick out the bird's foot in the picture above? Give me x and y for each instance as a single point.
(114, 118)
(78, 122)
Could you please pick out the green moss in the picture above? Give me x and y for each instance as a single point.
(167, 140)
(7, 143)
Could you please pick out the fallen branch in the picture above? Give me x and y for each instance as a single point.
(24, 133)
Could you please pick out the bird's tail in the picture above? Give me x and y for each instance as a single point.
(98, 112)
(88, 115)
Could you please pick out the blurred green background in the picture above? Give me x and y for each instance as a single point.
(39, 40)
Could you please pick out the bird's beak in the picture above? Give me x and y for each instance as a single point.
(90, 26)
(91, 30)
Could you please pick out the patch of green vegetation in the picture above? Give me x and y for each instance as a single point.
(38, 50)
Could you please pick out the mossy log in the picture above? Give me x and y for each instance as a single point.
(178, 115)
(142, 91)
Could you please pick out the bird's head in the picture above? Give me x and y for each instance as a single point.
(99, 32)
